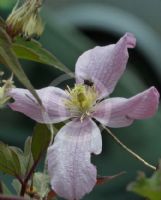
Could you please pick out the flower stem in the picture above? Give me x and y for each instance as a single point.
(129, 150)
(3, 197)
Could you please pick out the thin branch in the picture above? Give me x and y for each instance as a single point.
(30, 173)
(19, 178)
(3, 197)
(129, 150)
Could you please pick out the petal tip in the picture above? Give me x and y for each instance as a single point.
(153, 97)
(155, 91)
(130, 40)
(155, 94)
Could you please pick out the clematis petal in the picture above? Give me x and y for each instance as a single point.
(72, 174)
(120, 112)
(52, 99)
(104, 65)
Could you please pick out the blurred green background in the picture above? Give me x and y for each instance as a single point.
(73, 26)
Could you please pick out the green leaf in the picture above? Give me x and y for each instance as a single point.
(28, 158)
(2, 22)
(7, 3)
(5, 189)
(32, 50)
(14, 161)
(147, 187)
(8, 58)
(25, 158)
(9, 162)
(41, 183)
(27, 146)
(17, 186)
(20, 156)
(40, 141)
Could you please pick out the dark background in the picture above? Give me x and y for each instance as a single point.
(73, 26)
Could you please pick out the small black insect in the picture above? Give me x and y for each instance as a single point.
(89, 83)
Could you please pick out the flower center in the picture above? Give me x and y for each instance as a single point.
(81, 99)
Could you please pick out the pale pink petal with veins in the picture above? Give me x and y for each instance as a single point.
(52, 98)
(120, 112)
(104, 65)
(69, 159)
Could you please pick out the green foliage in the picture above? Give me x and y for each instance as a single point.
(8, 58)
(28, 157)
(17, 186)
(41, 183)
(14, 161)
(9, 161)
(2, 23)
(7, 3)
(147, 187)
(32, 50)
(25, 158)
(40, 141)
(4, 189)
(22, 164)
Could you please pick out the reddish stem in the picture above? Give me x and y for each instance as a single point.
(2, 197)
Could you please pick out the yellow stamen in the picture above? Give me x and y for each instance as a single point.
(81, 100)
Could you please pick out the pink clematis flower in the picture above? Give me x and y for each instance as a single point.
(97, 72)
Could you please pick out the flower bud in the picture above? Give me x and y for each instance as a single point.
(34, 27)
(6, 86)
(25, 20)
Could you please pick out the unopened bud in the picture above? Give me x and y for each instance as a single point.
(25, 19)
(34, 27)
(1, 73)
(4, 89)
